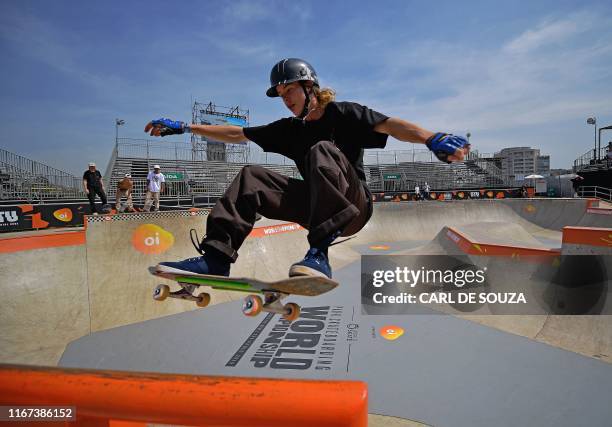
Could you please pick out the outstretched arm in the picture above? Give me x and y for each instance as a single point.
(447, 148)
(223, 133)
(403, 130)
(164, 127)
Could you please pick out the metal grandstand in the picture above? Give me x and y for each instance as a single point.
(188, 177)
(592, 160)
(191, 177)
(22, 179)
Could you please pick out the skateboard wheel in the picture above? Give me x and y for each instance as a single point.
(292, 311)
(203, 300)
(161, 292)
(252, 305)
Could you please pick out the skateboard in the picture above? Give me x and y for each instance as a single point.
(269, 298)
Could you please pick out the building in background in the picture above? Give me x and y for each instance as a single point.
(519, 162)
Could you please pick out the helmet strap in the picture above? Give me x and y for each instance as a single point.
(306, 101)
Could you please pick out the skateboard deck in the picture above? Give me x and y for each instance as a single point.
(273, 292)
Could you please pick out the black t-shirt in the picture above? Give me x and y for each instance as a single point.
(348, 125)
(93, 178)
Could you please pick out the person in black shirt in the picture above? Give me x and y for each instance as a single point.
(93, 184)
(326, 140)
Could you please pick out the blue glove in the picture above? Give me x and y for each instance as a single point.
(444, 145)
(168, 127)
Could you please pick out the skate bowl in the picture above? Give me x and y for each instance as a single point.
(88, 304)
(96, 279)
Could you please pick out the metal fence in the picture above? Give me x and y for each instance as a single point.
(592, 160)
(385, 170)
(596, 192)
(252, 153)
(28, 180)
(25, 179)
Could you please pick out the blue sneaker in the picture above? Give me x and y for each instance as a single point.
(206, 264)
(315, 263)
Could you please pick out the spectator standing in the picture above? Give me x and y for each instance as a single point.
(417, 192)
(426, 188)
(93, 184)
(156, 184)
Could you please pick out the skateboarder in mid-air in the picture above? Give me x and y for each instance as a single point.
(325, 139)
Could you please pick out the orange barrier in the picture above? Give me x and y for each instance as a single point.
(591, 236)
(106, 397)
(599, 211)
(27, 243)
(475, 248)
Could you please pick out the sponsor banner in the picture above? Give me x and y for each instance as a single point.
(389, 176)
(447, 195)
(174, 176)
(275, 229)
(526, 285)
(151, 239)
(35, 217)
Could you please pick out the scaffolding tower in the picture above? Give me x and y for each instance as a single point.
(206, 149)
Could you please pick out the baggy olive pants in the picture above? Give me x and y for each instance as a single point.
(331, 197)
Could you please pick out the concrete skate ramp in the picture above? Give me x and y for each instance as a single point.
(44, 303)
(103, 283)
(414, 220)
(100, 290)
(441, 371)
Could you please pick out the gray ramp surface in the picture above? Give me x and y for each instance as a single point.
(442, 371)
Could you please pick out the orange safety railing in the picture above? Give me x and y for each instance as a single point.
(113, 398)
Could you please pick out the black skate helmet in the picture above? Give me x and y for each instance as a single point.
(291, 70)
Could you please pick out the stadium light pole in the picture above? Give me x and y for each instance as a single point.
(593, 121)
(118, 122)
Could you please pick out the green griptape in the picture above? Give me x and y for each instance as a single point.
(218, 284)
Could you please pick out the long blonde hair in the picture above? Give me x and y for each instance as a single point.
(324, 95)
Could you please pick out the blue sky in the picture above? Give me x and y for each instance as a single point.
(512, 73)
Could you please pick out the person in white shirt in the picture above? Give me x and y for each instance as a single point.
(156, 184)
(426, 191)
(417, 192)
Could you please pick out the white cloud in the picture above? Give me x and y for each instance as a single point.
(60, 50)
(554, 74)
(545, 34)
(246, 11)
(249, 11)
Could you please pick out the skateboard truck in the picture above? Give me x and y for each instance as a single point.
(186, 293)
(252, 305)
